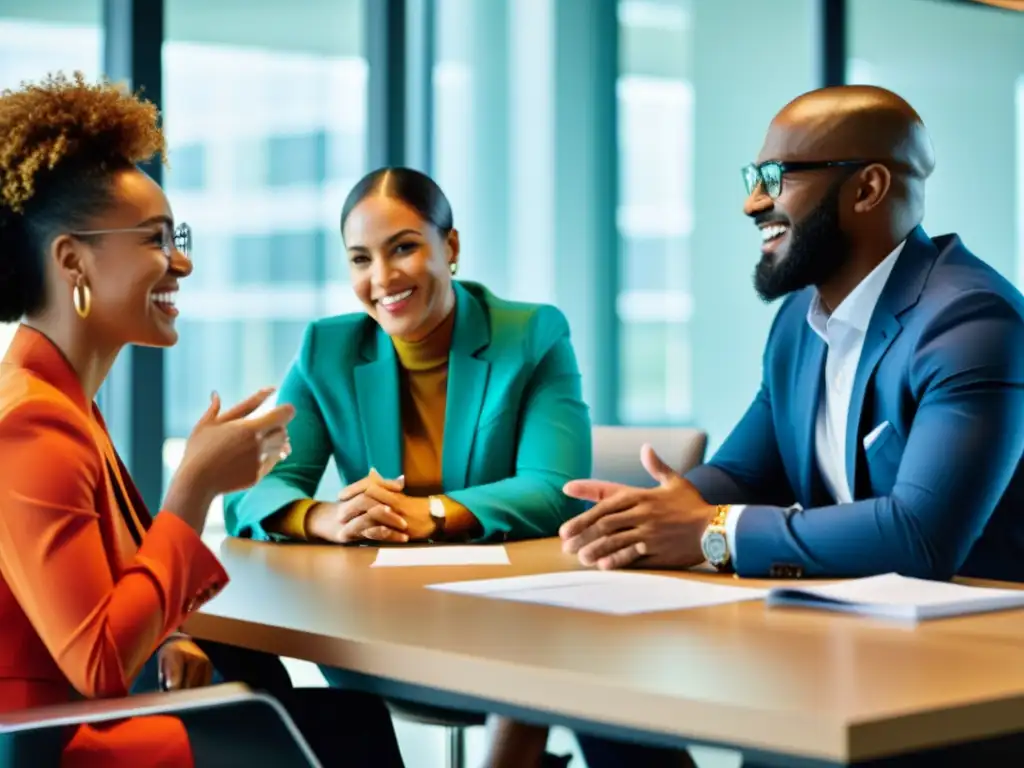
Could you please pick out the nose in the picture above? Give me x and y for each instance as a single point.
(381, 272)
(180, 264)
(757, 201)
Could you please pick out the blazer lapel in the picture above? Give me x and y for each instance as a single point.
(376, 383)
(901, 292)
(135, 501)
(136, 514)
(467, 385)
(882, 331)
(808, 397)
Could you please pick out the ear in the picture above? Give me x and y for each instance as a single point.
(68, 258)
(452, 246)
(873, 185)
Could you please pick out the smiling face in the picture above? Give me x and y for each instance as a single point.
(400, 266)
(132, 282)
(802, 238)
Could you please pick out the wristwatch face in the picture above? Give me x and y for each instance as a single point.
(715, 547)
(437, 509)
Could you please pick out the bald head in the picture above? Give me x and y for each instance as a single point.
(852, 122)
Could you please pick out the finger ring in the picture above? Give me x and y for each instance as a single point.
(263, 457)
(284, 455)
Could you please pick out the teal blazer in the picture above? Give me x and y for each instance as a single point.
(516, 427)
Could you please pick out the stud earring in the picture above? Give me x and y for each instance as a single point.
(453, 267)
(82, 298)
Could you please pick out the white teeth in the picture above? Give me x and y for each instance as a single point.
(167, 297)
(395, 298)
(772, 231)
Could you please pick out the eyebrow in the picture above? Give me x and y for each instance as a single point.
(397, 236)
(161, 219)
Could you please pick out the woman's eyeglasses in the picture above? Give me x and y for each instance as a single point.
(177, 238)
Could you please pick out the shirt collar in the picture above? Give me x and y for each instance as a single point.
(856, 309)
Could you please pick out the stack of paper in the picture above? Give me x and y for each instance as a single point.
(440, 554)
(615, 592)
(621, 592)
(892, 596)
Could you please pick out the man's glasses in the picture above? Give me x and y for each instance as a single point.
(179, 237)
(769, 175)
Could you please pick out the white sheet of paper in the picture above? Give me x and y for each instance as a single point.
(396, 557)
(891, 596)
(615, 592)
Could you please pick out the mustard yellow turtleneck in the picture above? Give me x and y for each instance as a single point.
(423, 388)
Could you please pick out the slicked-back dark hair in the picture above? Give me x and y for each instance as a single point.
(415, 189)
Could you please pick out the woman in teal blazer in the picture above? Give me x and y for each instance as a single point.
(470, 403)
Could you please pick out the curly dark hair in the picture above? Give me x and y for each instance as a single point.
(61, 140)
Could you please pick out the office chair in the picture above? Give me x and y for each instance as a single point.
(617, 451)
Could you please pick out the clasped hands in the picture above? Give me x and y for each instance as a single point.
(374, 509)
(658, 527)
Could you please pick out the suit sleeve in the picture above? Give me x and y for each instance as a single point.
(554, 445)
(100, 627)
(296, 478)
(963, 448)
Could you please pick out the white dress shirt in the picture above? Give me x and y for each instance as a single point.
(843, 332)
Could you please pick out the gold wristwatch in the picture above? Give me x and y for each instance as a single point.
(715, 542)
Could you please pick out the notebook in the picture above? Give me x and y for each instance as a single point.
(901, 598)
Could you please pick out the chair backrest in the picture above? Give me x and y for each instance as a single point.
(617, 451)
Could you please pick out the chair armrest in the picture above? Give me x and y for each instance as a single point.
(172, 702)
(101, 710)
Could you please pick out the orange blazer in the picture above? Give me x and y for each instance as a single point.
(90, 584)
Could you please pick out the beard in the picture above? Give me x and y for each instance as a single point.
(818, 249)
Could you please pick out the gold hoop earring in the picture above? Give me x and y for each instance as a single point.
(82, 298)
(453, 268)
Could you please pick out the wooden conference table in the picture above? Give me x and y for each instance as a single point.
(788, 686)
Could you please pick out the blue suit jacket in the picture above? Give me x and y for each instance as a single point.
(941, 490)
(516, 427)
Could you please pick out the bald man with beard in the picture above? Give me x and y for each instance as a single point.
(888, 430)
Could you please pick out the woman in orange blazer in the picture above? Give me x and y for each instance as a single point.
(90, 585)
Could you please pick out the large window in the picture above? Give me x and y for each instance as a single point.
(969, 97)
(43, 37)
(694, 102)
(266, 122)
(523, 144)
(655, 217)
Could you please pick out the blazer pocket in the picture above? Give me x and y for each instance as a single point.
(883, 459)
(872, 437)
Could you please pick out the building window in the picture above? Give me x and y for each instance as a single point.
(297, 160)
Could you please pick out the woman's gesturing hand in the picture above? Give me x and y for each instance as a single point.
(230, 451)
